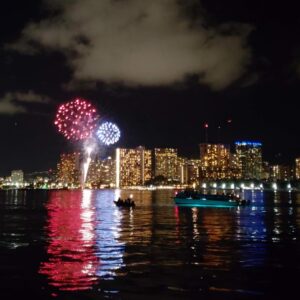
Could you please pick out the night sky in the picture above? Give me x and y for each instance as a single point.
(159, 69)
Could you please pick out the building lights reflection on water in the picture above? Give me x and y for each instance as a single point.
(210, 230)
(284, 218)
(83, 240)
(251, 230)
(277, 213)
(109, 248)
(72, 262)
(95, 249)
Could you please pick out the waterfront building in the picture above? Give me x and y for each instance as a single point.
(193, 171)
(108, 172)
(17, 177)
(133, 166)
(249, 155)
(93, 177)
(235, 171)
(188, 171)
(68, 170)
(39, 179)
(297, 168)
(280, 172)
(182, 170)
(215, 161)
(40, 182)
(266, 171)
(147, 173)
(166, 164)
(101, 173)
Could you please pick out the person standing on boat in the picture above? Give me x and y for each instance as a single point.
(120, 201)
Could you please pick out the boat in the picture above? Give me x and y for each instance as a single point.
(187, 198)
(124, 203)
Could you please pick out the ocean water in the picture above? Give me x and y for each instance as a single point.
(79, 245)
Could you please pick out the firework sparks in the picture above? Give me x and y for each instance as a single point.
(76, 119)
(108, 133)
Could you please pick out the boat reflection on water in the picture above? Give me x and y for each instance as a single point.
(215, 228)
(88, 236)
(82, 240)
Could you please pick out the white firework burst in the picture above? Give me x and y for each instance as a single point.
(108, 133)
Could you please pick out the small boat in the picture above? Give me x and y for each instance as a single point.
(124, 203)
(203, 200)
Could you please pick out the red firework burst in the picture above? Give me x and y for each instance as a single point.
(76, 119)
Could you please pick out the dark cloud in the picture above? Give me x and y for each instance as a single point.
(14, 103)
(139, 43)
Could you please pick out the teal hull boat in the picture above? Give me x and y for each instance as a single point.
(203, 202)
(188, 198)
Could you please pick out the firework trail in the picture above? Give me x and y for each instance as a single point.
(76, 120)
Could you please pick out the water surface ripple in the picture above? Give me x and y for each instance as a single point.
(79, 245)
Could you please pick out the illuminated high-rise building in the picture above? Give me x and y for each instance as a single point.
(133, 166)
(188, 171)
(182, 170)
(101, 173)
(166, 164)
(108, 171)
(147, 166)
(249, 156)
(193, 171)
(297, 168)
(68, 170)
(235, 171)
(94, 173)
(265, 174)
(280, 172)
(17, 177)
(215, 161)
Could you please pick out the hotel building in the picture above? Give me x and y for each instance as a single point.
(17, 177)
(297, 168)
(215, 161)
(101, 173)
(133, 166)
(68, 170)
(249, 155)
(280, 172)
(166, 164)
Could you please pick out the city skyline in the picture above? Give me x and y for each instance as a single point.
(149, 148)
(251, 77)
(138, 167)
(224, 151)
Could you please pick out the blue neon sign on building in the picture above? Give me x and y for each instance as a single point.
(248, 143)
